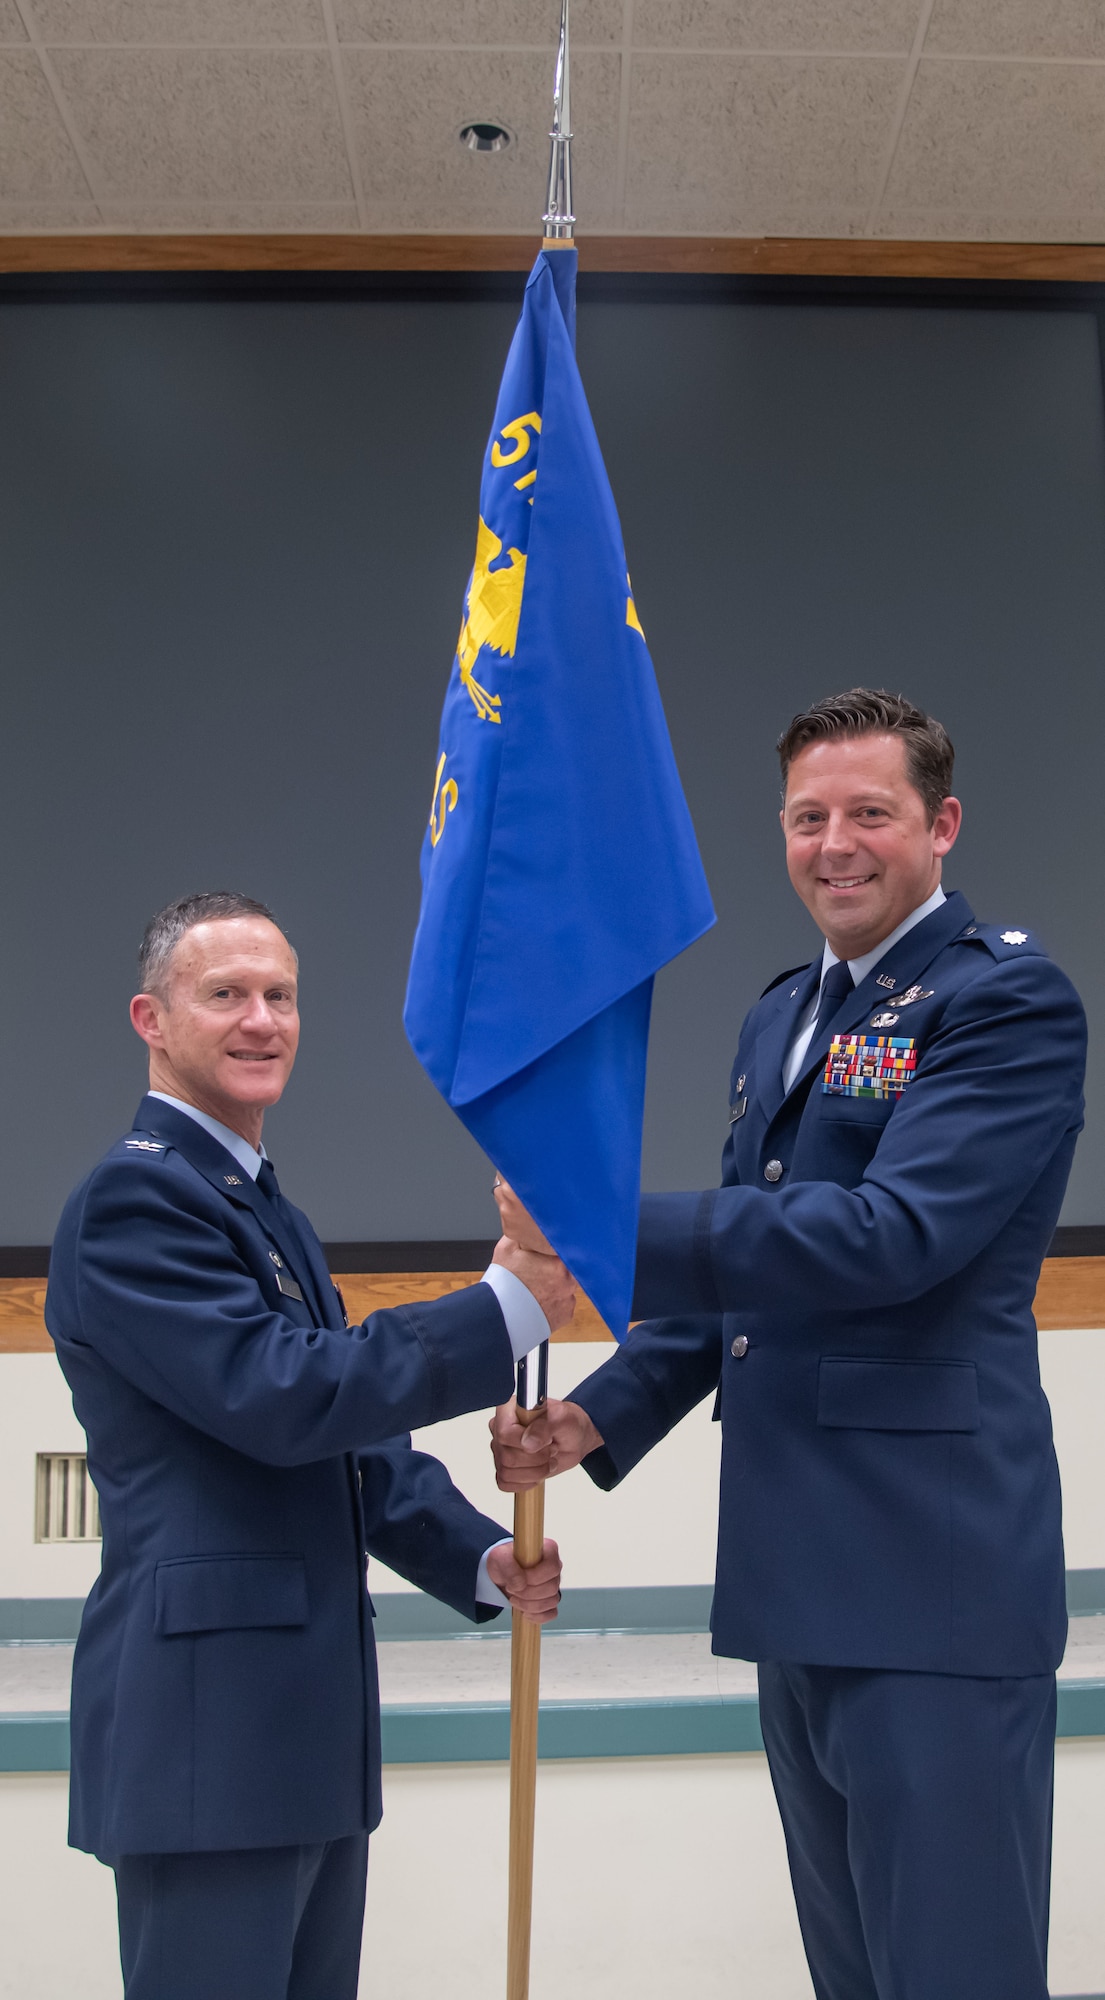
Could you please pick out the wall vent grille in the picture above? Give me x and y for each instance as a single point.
(66, 1506)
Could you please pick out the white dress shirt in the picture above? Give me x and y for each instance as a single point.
(526, 1324)
(249, 1158)
(859, 969)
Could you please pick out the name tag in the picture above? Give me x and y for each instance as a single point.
(287, 1285)
(876, 1066)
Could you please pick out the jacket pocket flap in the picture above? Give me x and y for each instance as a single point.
(226, 1593)
(897, 1395)
(857, 1110)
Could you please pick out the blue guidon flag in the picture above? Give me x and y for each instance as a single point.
(560, 868)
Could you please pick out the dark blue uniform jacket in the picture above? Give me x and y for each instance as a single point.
(247, 1449)
(889, 1491)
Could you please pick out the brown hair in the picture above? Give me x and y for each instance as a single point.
(929, 754)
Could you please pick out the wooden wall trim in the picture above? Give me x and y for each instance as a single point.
(23, 1329)
(771, 256)
(1071, 1294)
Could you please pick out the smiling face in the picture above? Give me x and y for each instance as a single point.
(224, 1034)
(860, 850)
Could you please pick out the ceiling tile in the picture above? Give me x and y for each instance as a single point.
(1002, 139)
(36, 158)
(311, 217)
(11, 24)
(489, 22)
(174, 21)
(886, 26)
(746, 145)
(408, 108)
(1017, 28)
(214, 124)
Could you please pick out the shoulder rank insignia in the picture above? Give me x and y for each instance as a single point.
(874, 1066)
(1014, 937)
(144, 1145)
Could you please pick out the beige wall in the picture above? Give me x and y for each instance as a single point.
(36, 1414)
(1073, 1369)
(658, 1528)
(654, 1877)
(670, 1871)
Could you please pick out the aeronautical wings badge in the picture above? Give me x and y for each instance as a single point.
(900, 1000)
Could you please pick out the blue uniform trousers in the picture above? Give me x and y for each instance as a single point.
(917, 1814)
(267, 1923)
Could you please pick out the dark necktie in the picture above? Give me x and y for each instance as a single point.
(835, 988)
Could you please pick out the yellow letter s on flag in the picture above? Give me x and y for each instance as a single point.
(444, 801)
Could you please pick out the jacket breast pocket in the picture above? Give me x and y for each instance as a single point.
(229, 1593)
(890, 1395)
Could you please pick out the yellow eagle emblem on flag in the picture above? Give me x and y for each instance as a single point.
(492, 611)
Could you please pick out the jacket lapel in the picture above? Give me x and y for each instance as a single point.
(330, 1311)
(223, 1172)
(903, 965)
(319, 1286)
(793, 998)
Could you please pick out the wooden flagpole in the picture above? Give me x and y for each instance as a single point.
(529, 1508)
(525, 1675)
(525, 1678)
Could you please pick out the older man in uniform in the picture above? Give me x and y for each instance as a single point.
(858, 1294)
(248, 1446)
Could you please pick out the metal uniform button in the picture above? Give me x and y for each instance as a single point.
(740, 1347)
(773, 1170)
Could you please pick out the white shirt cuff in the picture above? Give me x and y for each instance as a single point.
(526, 1324)
(486, 1591)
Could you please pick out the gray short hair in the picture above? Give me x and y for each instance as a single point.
(164, 931)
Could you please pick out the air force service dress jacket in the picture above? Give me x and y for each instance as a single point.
(247, 1447)
(859, 1292)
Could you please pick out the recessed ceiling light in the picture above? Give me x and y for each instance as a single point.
(484, 136)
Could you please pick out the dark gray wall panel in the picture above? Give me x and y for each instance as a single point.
(233, 540)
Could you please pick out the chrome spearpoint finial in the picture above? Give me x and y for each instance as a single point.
(560, 223)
